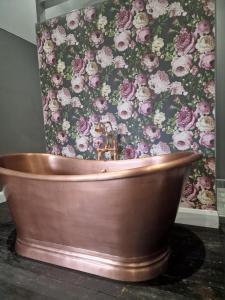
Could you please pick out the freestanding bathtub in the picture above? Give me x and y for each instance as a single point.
(109, 218)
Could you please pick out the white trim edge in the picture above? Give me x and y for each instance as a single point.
(198, 217)
(2, 197)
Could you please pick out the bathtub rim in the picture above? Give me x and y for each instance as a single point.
(187, 158)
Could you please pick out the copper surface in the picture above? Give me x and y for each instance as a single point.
(109, 218)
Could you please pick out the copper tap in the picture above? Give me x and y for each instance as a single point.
(110, 141)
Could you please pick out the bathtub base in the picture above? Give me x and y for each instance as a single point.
(113, 267)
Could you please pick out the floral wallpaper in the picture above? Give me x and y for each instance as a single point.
(147, 66)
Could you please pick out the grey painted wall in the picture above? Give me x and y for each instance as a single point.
(21, 121)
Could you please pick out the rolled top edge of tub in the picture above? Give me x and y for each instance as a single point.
(183, 159)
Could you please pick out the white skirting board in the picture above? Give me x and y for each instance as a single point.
(198, 217)
(188, 216)
(2, 197)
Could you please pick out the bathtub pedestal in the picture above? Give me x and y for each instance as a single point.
(124, 269)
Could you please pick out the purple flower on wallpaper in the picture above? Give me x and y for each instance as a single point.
(183, 140)
(100, 104)
(207, 139)
(207, 61)
(127, 90)
(142, 149)
(152, 132)
(78, 66)
(145, 108)
(125, 110)
(94, 81)
(150, 62)
(68, 151)
(140, 79)
(124, 19)
(82, 143)
(203, 27)
(184, 42)
(83, 126)
(181, 66)
(185, 119)
(122, 41)
(129, 152)
(98, 142)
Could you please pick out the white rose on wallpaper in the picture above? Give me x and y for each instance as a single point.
(157, 44)
(104, 57)
(61, 66)
(181, 66)
(122, 129)
(119, 62)
(176, 88)
(65, 125)
(59, 35)
(53, 105)
(109, 117)
(75, 102)
(157, 8)
(82, 143)
(143, 93)
(150, 62)
(122, 41)
(105, 90)
(125, 110)
(73, 19)
(71, 40)
(205, 44)
(160, 148)
(140, 20)
(182, 140)
(206, 197)
(68, 151)
(159, 82)
(48, 46)
(205, 123)
(102, 22)
(175, 10)
(77, 84)
(159, 118)
(64, 96)
(92, 68)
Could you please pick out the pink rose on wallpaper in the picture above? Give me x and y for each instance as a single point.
(203, 108)
(152, 132)
(207, 139)
(209, 89)
(127, 90)
(97, 38)
(124, 19)
(56, 150)
(140, 79)
(184, 42)
(150, 62)
(181, 66)
(185, 119)
(77, 84)
(138, 5)
(160, 148)
(207, 61)
(59, 35)
(189, 191)
(51, 95)
(62, 137)
(78, 66)
(210, 165)
(83, 126)
(100, 104)
(98, 142)
(104, 57)
(159, 82)
(203, 27)
(64, 96)
(125, 110)
(50, 58)
(89, 55)
(119, 62)
(122, 41)
(145, 108)
(45, 117)
(182, 140)
(73, 19)
(94, 81)
(194, 70)
(122, 129)
(82, 143)
(204, 182)
(142, 148)
(143, 35)
(57, 80)
(89, 14)
(176, 88)
(71, 40)
(157, 8)
(68, 151)
(55, 116)
(129, 152)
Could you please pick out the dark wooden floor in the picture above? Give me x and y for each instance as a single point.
(196, 271)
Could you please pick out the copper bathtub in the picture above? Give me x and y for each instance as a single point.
(109, 218)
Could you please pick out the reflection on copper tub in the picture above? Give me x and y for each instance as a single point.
(109, 218)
